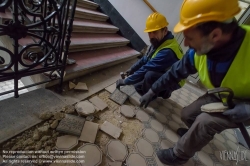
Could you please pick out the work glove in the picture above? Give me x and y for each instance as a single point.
(147, 98)
(239, 113)
(129, 72)
(119, 83)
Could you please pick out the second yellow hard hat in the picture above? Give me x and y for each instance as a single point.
(194, 12)
(155, 21)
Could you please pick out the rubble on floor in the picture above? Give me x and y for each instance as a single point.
(138, 133)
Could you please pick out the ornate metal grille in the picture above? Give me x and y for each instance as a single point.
(40, 32)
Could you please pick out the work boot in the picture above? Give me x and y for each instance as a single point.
(181, 131)
(167, 156)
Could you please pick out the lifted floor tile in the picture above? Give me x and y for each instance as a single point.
(85, 108)
(111, 129)
(128, 89)
(111, 88)
(118, 97)
(81, 86)
(127, 111)
(89, 132)
(66, 142)
(99, 103)
(71, 124)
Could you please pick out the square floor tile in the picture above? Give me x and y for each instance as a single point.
(118, 97)
(71, 124)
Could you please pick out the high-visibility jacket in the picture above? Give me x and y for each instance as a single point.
(237, 77)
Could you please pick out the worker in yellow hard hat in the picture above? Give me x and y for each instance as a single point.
(220, 53)
(162, 54)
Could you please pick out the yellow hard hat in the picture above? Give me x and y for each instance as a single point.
(155, 21)
(197, 11)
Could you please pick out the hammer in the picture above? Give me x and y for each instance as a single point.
(123, 75)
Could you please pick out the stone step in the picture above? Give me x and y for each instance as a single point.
(91, 26)
(87, 4)
(89, 14)
(89, 61)
(83, 42)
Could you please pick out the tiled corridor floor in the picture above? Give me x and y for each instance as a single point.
(160, 125)
(9, 85)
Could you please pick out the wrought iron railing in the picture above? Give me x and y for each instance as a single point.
(40, 31)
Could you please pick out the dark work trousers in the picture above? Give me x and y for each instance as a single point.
(202, 127)
(149, 79)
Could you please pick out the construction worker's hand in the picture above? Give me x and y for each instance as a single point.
(239, 113)
(119, 83)
(129, 72)
(147, 98)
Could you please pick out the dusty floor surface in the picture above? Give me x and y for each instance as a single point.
(43, 136)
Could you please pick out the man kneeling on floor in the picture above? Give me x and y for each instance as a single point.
(162, 54)
(221, 56)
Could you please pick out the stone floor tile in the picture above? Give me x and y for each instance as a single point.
(168, 104)
(182, 102)
(66, 142)
(135, 159)
(219, 145)
(144, 147)
(111, 88)
(127, 111)
(231, 137)
(173, 125)
(71, 124)
(154, 104)
(231, 131)
(219, 137)
(81, 86)
(149, 110)
(128, 90)
(157, 126)
(134, 99)
(118, 97)
(164, 110)
(93, 155)
(207, 149)
(160, 117)
(171, 136)
(165, 144)
(99, 103)
(176, 118)
(85, 108)
(115, 164)
(151, 135)
(89, 132)
(178, 111)
(111, 129)
(232, 145)
(71, 85)
(142, 116)
(116, 150)
(204, 158)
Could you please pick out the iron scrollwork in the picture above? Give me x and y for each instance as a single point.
(40, 32)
